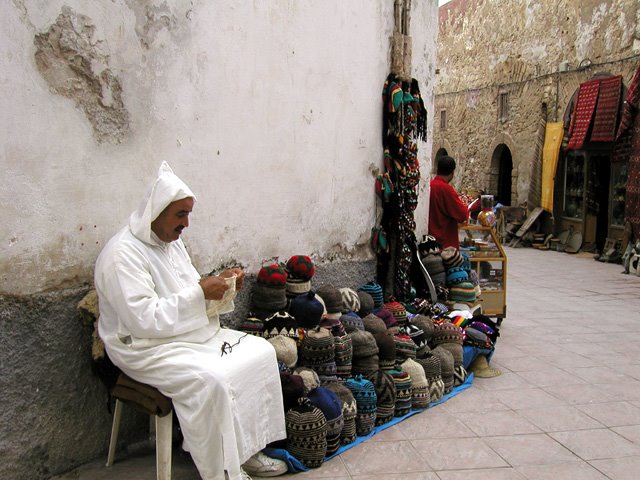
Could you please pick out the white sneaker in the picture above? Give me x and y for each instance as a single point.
(260, 465)
(244, 475)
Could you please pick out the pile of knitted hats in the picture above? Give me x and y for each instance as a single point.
(348, 360)
(461, 279)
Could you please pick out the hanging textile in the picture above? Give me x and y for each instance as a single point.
(550, 151)
(606, 116)
(629, 148)
(404, 123)
(583, 114)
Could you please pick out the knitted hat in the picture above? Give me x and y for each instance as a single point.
(431, 365)
(476, 338)
(386, 350)
(350, 300)
(387, 317)
(365, 365)
(364, 344)
(419, 385)
(351, 321)
(252, 326)
(317, 347)
(416, 334)
(349, 412)
(405, 347)
(331, 406)
(292, 389)
(281, 323)
(398, 310)
(451, 257)
(374, 324)
(402, 381)
(386, 396)
(343, 349)
(309, 378)
(366, 400)
(366, 303)
(447, 332)
(332, 299)
(456, 275)
(433, 264)
(268, 293)
(425, 324)
(307, 310)
(306, 433)
(375, 290)
(463, 292)
(446, 367)
(286, 349)
(334, 325)
(300, 266)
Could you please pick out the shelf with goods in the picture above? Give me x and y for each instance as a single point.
(488, 259)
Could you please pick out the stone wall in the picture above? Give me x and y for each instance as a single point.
(538, 52)
(270, 111)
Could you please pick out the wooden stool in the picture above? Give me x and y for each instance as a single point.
(149, 400)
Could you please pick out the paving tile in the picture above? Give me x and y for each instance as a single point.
(440, 425)
(490, 423)
(463, 453)
(472, 398)
(613, 414)
(506, 473)
(384, 457)
(629, 391)
(506, 381)
(596, 444)
(402, 476)
(520, 364)
(602, 374)
(581, 394)
(630, 432)
(558, 419)
(534, 449)
(619, 468)
(549, 376)
(578, 471)
(631, 370)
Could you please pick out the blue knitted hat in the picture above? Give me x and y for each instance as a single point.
(366, 400)
(456, 275)
(375, 290)
(307, 310)
(331, 406)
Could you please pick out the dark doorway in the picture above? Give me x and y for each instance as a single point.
(598, 190)
(501, 171)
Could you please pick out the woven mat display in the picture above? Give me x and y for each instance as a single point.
(604, 122)
(583, 114)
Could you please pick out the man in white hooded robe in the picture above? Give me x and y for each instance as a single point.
(159, 323)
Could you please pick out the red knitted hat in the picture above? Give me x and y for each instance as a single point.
(273, 275)
(301, 267)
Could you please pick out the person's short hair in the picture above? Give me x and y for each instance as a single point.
(446, 165)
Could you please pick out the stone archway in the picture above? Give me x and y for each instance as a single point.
(501, 175)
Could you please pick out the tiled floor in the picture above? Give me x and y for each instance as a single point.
(567, 405)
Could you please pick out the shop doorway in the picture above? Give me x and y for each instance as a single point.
(500, 175)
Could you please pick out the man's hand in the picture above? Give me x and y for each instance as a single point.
(238, 272)
(213, 287)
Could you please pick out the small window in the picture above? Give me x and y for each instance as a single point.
(443, 119)
(503, 106)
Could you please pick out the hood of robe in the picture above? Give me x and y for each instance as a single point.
(166, 189)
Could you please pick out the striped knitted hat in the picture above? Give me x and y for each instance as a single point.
(374, 324)
(447, 332)
(451, 257)
(446, 367)
(350, 300)
(300, 269)
(351, 321)
(433, 264)
(331, 406)
(366, 303)
(402, 381)
(456, 275)
(386, 396)
(332, 299)
(398, 310)
(405, 347)
(463, 292)
(306, 433)
(281, 323)
(365, 365)
(387, 350)
(459, 372)
(419, 385)
(366, 400)
(416, 334)
(343, 349)
(317, 346)
(252, 326)
(349, 412)
(286, 349)
(375, 290)
(431, 365)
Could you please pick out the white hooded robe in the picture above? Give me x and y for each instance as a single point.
(158, 328)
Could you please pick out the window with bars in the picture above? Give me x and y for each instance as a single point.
(443, 119)
(503, 106)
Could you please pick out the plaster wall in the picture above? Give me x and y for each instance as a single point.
(536, 51)
(270, 112)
